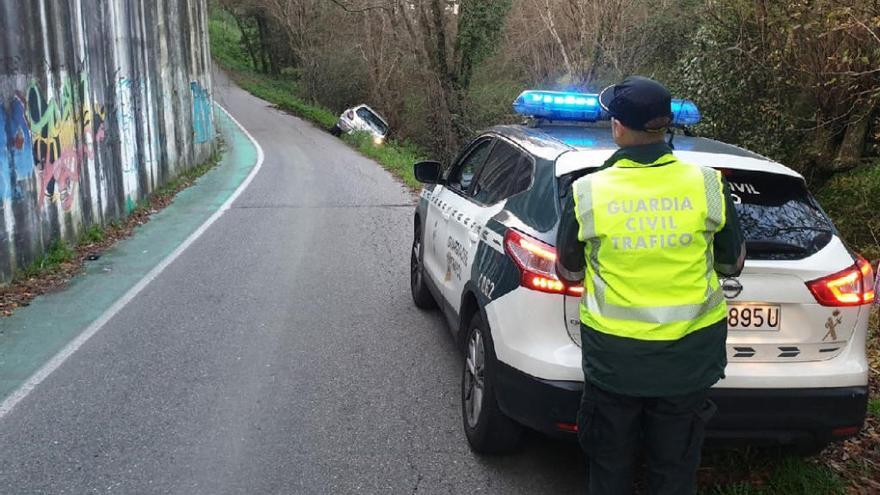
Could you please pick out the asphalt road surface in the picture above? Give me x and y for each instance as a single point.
(280, 353)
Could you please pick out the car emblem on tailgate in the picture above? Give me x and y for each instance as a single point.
(731, 288)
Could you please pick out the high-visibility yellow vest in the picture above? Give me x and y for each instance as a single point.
(649, 231)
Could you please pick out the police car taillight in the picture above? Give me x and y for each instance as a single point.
(537, 262)
(851, 287)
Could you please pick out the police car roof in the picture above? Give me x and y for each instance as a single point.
(576, 147)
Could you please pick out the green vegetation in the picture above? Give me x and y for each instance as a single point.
(874, 407)
(853, 201)
(773, 476)
(59, 252)
(92, 235)
(397, 157)
(283, 93)
(226, 47)
(281, 90)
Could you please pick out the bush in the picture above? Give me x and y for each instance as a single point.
(59, 252)
(742, 110)
(226, 42)
(853, 200)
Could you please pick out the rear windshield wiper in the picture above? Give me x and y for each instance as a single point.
(769, 246)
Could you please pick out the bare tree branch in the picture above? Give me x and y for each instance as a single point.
(359, 10)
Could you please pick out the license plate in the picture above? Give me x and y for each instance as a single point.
(756, 317)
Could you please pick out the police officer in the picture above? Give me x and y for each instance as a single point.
(648, 235)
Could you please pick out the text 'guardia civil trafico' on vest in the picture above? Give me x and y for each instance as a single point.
(664, 225)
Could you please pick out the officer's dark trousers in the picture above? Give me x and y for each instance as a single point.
(613, 428)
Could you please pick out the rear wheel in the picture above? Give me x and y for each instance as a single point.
(488, 430)
(421, 295)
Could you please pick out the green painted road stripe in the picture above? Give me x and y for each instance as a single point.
(35, 335)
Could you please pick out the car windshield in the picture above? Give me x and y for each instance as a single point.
(374, 120)
(780, 219)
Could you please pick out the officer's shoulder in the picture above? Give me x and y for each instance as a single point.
(696, 166)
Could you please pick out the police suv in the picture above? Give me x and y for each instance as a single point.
(483, 251)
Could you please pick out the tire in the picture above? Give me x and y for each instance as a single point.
(487, 429)
(335, 130)
(420, 293)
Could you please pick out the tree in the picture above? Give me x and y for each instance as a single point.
(796, 80)
(447, 40)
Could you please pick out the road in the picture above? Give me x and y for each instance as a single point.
(280, 353)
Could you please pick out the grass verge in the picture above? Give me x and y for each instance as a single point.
(64, 260)
(765, 473)
(59, 253)
(282, 94)
(397, 157)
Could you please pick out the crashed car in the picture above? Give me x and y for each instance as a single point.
(364, 119)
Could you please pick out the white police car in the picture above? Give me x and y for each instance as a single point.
(483, 251)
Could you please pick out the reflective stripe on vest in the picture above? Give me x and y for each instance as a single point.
(648, 232)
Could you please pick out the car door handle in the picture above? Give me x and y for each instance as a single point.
(447, 213)
(473, 236)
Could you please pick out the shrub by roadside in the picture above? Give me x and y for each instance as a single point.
(852, 199)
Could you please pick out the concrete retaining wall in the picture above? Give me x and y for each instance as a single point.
(101, 102)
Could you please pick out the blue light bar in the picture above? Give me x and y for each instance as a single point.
(557, 105)
(584, 107)
(685, 112)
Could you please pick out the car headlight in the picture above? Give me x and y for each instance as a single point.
(378, 140)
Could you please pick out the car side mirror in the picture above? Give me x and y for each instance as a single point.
(428, 172)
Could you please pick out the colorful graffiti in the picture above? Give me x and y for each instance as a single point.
(64, 130)
(65, 82)
(203, 116)
(16, 154)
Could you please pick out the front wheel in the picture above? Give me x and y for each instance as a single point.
(421, 295)
(335, 130)
(488, 430)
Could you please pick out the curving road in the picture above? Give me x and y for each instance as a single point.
(280, 353)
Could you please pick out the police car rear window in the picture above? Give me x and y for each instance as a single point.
(779, 218)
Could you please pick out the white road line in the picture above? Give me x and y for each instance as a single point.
(58, 359)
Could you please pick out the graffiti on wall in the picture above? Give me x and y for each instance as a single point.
(49, 134)
(16, 152)
(65, 81)
(203, 121)
(64, 129)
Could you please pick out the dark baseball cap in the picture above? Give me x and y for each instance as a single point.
(640, 103)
